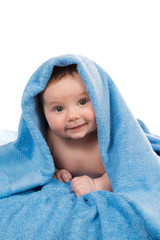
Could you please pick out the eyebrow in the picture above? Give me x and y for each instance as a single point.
(53, 103)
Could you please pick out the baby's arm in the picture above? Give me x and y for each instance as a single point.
(62, 175)
(84, 184)
(103, 183)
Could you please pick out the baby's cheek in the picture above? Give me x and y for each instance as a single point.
(92, 119)
(56, 126)
(90, 114)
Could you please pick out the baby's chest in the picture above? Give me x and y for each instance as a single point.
(80, 161)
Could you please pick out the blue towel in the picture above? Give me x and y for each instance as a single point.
(33, 205)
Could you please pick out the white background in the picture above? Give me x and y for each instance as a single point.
(122, 36)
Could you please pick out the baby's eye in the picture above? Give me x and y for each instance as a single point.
(58, 109)
(82, 101)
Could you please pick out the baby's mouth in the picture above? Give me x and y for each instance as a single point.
(77, 127)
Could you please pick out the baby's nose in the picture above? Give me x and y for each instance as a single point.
(73, 114)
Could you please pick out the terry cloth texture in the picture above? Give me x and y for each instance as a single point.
(35, 206)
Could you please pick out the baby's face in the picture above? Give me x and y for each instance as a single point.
(68, 109)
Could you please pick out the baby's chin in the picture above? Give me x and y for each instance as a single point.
(81, 137)
(77, 138)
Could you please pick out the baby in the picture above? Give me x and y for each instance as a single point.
(72, 132)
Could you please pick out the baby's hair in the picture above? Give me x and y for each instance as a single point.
(59, 72)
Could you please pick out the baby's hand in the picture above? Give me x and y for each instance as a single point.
(82, 185)
(63, 175)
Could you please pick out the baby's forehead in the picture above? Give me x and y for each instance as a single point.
(68, 86)
(69, 82)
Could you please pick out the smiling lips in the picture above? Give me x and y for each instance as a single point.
(77, 127)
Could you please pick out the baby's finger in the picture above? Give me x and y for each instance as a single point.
(69, 175)
(74, 182)
(58, 177)
(79, 191)
(76, 185)
(78, 194)
(66, 177)
(75, 179)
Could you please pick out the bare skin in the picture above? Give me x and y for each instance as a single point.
(72, 136)
(79, 162)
